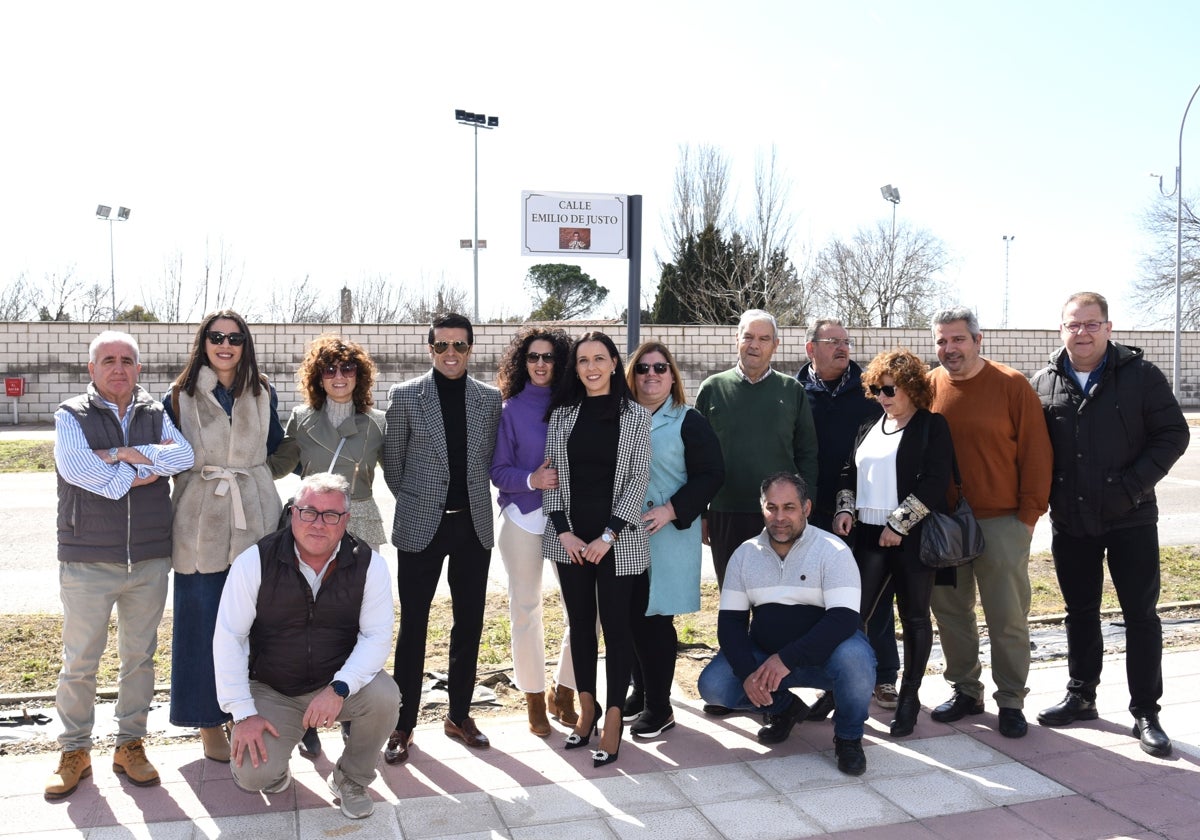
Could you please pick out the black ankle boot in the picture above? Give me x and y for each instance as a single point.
(907, 708)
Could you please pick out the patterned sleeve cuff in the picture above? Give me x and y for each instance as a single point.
(911, 511)
(845, 502)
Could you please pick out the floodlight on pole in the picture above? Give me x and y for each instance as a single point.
(103, 213)
(1178, 193)
(1007, 242)
(891, 194)
(476, 121)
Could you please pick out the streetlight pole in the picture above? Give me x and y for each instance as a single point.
(1007, 242)
(891, 194)
(476, 121)
(102, 213)
(1178, 193)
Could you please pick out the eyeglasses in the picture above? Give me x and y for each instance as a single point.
(534, 358)
(1076, 327)
(235, 339)
(329, 517)
(441, 347)
(836, 342)
(643, 368)
(888, 391)
(347, 369)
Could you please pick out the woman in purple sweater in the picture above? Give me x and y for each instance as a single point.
(528, 374)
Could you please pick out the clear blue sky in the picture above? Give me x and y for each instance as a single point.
(318, 139)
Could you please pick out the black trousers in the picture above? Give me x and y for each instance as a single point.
(417, 575)
(1133, 567)
(589, 587)
(726, 531)
(655, 643)
(880, 567)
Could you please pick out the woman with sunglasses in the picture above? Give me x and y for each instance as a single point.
(898, 471)
(686, 471)
(225, 503)
(599, 442)
(528, 373)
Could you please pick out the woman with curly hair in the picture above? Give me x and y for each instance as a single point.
(224, 504)
(528, 373)
(337, 430)
(599, 441)
(898, 471)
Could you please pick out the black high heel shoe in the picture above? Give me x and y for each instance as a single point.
(575, 740)
(602, 757)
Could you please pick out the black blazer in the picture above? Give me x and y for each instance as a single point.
(924, 476)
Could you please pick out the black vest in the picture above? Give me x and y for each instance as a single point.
(297, 643)
(136, 527)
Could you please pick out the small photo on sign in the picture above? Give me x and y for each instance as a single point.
(574, 239)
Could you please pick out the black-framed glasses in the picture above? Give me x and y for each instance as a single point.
(346, 369)
(1079, 327)
(235, 339)
(441, 347)
(836, 342)
(888, 391)
(329, 517)
(534, 358)
(643, 368)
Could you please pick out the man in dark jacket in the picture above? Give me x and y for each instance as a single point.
(839, 407)
(1116, 430)
(303, 629)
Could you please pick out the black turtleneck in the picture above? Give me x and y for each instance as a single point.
(452, 395)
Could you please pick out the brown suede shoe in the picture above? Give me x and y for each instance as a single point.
(467, 732)
(130, 760)
(215, 740)
(73, 765)
(536, 703)
(560, 703)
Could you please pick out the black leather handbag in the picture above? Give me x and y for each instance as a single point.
(950, 539)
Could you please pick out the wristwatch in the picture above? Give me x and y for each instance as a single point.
(609, 536)
(112, 454)
(340, 689)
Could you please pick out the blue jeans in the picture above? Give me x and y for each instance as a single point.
(849, 672)
(193, 684)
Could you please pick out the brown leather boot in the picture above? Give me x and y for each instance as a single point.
(73, 765)
(535, 701)
(130, 760)
(560, 703)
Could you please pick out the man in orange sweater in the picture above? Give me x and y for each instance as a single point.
(1004, 456)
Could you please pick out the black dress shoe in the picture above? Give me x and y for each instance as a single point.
(1147, 729)
(310, 744)
(651, 724)
(713, 710)
(776, 727)
(822, 707)
(1012, 723)
(467, 732)
(851, 759)
(1073, 707)
(957, 708)
(396, 750)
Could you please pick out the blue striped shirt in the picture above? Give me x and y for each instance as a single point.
(79, 464)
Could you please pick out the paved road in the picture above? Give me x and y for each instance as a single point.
(29, 569)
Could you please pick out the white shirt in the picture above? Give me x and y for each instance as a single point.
(239, 605)
(876, 495)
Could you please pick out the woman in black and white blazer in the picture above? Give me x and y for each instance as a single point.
(599, 441)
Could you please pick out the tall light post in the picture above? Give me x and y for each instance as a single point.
(1178, 193)
(476, 121)
(102, 213)
(1007, 242)
(891, 194)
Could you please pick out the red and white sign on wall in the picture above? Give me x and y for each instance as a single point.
(14, 386)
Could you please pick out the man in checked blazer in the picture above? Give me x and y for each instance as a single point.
(441, 430)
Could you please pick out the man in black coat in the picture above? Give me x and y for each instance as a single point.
(1116, 430)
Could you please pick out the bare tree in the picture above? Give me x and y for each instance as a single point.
(877, 280)
(222, 281)
(166, 300)
(1154, 292)
(298, 303)
(20, 299)
(422, 305)
(61, 291)
(376, 300)
(701, 189)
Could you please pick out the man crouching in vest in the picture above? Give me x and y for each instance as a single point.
(303, 630)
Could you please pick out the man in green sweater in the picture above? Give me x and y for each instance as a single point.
(765, 425)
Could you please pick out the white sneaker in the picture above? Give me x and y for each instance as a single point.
(356, 802)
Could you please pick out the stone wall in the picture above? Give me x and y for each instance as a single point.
(53, 356)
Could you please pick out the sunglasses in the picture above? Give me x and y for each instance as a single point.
(441, 347)
(235, 339)
(346, 369)
(534, 358)
(887, 390)
(643, 368)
